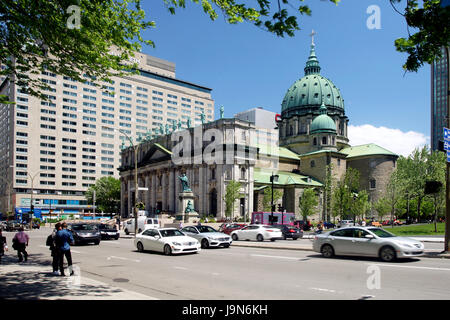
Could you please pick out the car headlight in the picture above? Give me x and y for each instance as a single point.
(406, 245)
(176, 243)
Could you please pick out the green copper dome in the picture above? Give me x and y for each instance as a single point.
(309, 92)
(323, 123)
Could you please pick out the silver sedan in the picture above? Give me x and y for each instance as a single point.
(208, 236)
(366, 241)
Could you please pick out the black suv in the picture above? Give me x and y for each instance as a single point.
(108, 231)
(290, 231)
(84, 233)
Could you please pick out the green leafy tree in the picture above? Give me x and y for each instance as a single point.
(343, 197)
(360, 205)
(267, 199)
(308, 202)
(382, 207)
(107, 194)
(52, 36)
(430, 21)
(232, 193)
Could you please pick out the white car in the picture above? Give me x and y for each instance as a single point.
(346, 224)
(258, 232)
(167, 240)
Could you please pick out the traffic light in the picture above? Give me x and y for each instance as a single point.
(432, 187)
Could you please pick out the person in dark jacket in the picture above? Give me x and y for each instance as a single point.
(51, 242)
(3, 245)
(63, 239)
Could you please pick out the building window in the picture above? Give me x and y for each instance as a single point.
(243, 173)
(313, 163)
(373, 184)
(315, 141)
(213, 174)
(324, 140)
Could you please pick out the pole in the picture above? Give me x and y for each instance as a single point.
(271, 207)
(447, 176)
(135, 148)
(93, 201)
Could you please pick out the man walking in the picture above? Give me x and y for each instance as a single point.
(21, 240)
(63, 240)
(51, 242)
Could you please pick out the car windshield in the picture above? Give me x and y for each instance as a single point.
(381, 233)
(205, 229)
(80, 227)
(171, 233)
(107, 227)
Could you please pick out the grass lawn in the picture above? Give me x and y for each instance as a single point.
(416, 230)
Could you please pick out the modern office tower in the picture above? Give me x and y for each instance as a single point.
(439, 98)
(62, 146)
(264, 121)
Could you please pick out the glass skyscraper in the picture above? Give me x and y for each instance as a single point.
(439, 98)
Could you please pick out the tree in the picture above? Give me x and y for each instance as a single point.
(267, 199)
(73, 38)
(360, 205)
(344, 192)
(430, 19)
(382, 207)
(308, 202)
(231, 195)
(107, 194)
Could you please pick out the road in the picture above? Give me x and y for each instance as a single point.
(239, 273)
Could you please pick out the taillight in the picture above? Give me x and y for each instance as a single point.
(270, 231)
(292, 230)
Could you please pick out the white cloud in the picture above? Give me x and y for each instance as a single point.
(395, 140)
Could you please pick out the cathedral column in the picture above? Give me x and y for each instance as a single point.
(147, 193)
(129, 199)
(164, 188)
(201, 190)
(171, 191)
(122, 197)
(177, 191)
(153, 191)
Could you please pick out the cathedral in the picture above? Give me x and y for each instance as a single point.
(312, 138)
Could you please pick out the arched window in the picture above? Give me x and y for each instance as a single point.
(315, 141)
(324, 140)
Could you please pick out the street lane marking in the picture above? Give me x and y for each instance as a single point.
(276, 257)
(411, 267)
(180, 268)
(121, 258)
(325, 290)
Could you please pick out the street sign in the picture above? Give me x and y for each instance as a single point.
(448, 156)
(446, 134)
(446, 145)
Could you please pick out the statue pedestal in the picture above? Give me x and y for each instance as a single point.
(183, 202)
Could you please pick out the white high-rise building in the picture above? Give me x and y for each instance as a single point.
(60, 148)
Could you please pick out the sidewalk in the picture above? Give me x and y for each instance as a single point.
(34, 281)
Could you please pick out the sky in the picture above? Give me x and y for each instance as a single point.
(248, 67)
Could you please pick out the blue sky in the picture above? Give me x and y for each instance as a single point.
(247, 67)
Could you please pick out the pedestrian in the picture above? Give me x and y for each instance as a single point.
(20, 242)
(54, 251)
(363, 223)
(181, 225)
(63, 239)
(3, 245)
(199, 223)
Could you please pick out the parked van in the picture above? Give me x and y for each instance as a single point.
(144, 223)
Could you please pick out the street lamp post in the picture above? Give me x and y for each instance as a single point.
(31, 197)
(273, 178)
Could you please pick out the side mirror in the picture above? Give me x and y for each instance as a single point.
(157, 237)
(369, 236)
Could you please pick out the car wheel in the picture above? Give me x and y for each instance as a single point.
(167, 250)
(387, 254)
(284, 237)
(294, 238)
(226, 245)
(127, 232)
(205, 244)
(234, 237)
(140, 247)
(327, 251)
(97, 243)
(273, 240)
(260, 237)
